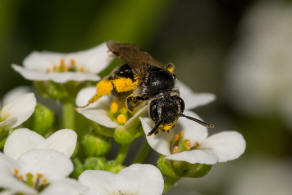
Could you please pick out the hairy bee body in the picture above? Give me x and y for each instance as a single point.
(144, 80)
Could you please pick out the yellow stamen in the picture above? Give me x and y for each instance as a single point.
(55, 68)
(114, 107)
(181, 134)
(188, 144)
(39, 175)
(66, 68)
(175, 138)
(175, 149)
(73, 62)
(62, 62)
(45, 181)
(81, 69)
(15, 171)
(171, 69)
(196, 144)
(48, 70)
(122, 119)
(20, 177)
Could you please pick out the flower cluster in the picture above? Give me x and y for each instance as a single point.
(39, 159)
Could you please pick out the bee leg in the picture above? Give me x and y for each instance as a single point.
(132, 101)
(155, 129)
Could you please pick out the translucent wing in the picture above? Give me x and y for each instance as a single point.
(133, 56)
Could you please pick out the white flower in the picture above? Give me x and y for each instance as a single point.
(24, 140)
(17, 110)
(33, 170)
(259, 79)
(189, 142)
(64, 187)
(61, 67)
(137, 179)
(15, 93)
(99, 110)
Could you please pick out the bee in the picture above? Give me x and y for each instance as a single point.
(142, 79)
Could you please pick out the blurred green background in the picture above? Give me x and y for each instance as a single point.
(197, 36)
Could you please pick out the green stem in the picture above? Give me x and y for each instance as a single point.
(68, 115)
(169, 182)
(122, 153)
(143, 153)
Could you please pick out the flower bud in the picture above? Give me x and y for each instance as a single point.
(41, 120)
(165, 167)
(49, 89)
(123, 136)
(78, 168)
(185, 169)
(95, 146)
(113, 166)
(95, 163)
(101, 130)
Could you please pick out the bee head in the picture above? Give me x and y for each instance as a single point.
(166, 110)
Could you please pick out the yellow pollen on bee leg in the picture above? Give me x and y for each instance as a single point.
(122, 119)
(104, 87)
(114, 107)
(171, 69)
(167, 127)
(124, 84)
(175, 149)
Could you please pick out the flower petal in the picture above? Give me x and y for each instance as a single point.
(98, 182)
(14, 93)
(97, 113)
(140, 112)
(84, 96)
(63, 77)
(63, 141)
(227, 145)
(94, 60)
(8, 122)
(192, 130)
(192, 99)
(195, 156)
(53, 165)
(160, 142)
(65, 186)
(21, 141)
(21, 108)
(142, 179)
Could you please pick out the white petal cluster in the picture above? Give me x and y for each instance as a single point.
(47, 161)
(137, 179)
(77, 66)
(221, 147)
(260, 79)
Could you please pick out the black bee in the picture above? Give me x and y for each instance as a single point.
(144, 79)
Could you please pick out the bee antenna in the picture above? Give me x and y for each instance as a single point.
(199, 121)
(155, 128)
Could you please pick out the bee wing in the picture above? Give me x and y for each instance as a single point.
(133, 56)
